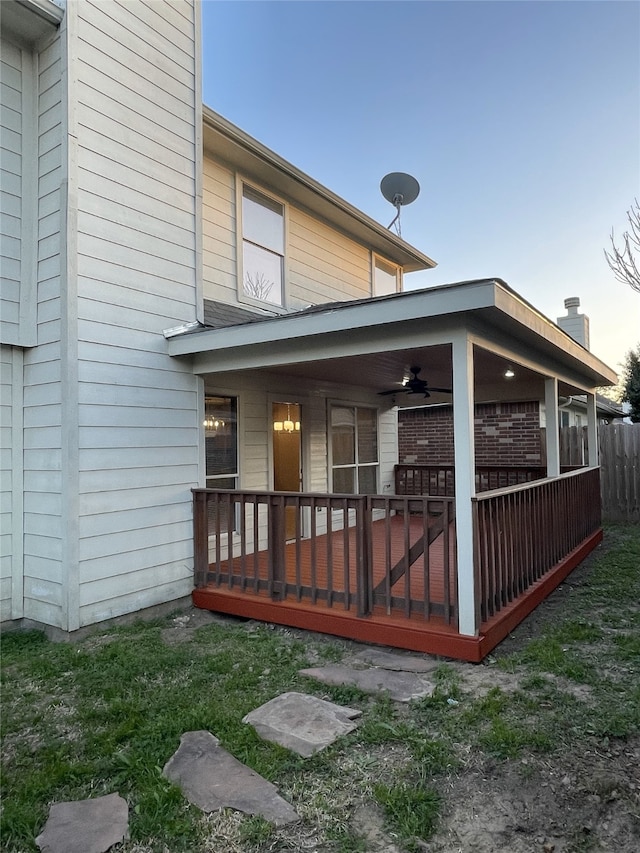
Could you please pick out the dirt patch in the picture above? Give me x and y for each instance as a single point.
(573, 803)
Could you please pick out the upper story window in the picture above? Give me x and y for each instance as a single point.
(262, 247)
(387, 277)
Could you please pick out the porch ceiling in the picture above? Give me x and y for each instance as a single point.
(372, 343)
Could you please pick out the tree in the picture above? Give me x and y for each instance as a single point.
(625, 262)
(631, 384)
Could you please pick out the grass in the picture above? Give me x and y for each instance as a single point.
(106, 713)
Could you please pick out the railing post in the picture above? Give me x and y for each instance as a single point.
(276, 547)
(200, 538)
(364, 567)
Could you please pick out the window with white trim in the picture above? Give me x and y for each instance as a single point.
(387, 277)
(221, 450)
(262, 247)
(354, 449)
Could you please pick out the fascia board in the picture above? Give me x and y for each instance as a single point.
(227, 142)
(383, 311)
(489, 308)
(48, 10)
(545, 335)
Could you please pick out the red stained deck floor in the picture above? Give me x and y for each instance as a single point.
(307, 604)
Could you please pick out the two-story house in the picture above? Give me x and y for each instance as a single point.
(181, 309)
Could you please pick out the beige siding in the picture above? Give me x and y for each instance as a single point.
(322, 264)
(138, 441)
(219, 238)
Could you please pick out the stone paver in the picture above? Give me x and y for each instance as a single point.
(302, 723)
(401, 686)
(85, 826)
(391, 660)
(212, 779)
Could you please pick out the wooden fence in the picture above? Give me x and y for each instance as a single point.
(620, 471)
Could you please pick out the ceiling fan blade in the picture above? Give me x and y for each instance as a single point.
(393, 391)
(441, 390)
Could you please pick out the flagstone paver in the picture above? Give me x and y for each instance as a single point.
(305, 724)
(391, 660)
(85, 826)
(212, 779)
(400, 686)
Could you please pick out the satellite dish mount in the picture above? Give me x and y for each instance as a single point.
(399, 189)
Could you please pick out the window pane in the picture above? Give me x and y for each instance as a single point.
(343, 435)
(344, 481)
(262, 221)
(367, 435)
(262, 274)
(367, 480)
(385, 278)
(221, 437)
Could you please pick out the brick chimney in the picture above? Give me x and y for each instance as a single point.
(574, 324)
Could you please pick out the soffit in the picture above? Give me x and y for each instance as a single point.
(224, 141)
(30, 20)
(375, 341)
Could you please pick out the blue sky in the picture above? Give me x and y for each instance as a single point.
(519, 118)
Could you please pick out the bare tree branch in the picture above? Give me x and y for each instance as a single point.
(623, 261)
(259, 287)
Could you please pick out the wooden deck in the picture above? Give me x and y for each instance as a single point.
(363, 571)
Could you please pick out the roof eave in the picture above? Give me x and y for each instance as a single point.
(239, 149)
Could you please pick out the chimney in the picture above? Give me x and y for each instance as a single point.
(574, 324)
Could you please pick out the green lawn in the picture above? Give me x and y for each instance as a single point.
(104, 714)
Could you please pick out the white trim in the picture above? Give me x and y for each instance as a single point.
(244, 298)
(28, 334)
(375, 257)
(17, 484)
(198, 164)
(552, 426)
(390, 322)
(70, 452)
(464, 461)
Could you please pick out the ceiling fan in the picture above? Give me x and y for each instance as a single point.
(414, 385)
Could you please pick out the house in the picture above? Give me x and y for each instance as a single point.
(195, 338)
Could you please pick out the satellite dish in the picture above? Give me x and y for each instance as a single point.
(399, 189)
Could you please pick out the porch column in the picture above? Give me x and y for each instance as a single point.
(553, 435)
(464, 456)
(592, 431)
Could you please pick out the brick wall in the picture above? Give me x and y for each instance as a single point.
(505, 434)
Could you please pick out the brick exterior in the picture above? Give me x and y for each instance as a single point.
(505, 434)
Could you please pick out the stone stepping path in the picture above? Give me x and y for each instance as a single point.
(85, 826)
(399, 685)
(305, 724)
(212, 779)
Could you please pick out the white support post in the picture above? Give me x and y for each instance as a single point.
(592, 431)
(552, 432)
(464, 455)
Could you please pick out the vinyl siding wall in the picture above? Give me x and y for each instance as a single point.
(138, 448)
(322, 265)
(11, 188)
(44, 581)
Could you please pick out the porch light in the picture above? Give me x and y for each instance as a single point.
(288, 425)
(509, 374)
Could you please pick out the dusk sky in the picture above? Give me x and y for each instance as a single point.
(519, 118)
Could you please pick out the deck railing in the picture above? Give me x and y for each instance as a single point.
(440, 479)
(358, 552)
(524, 531)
